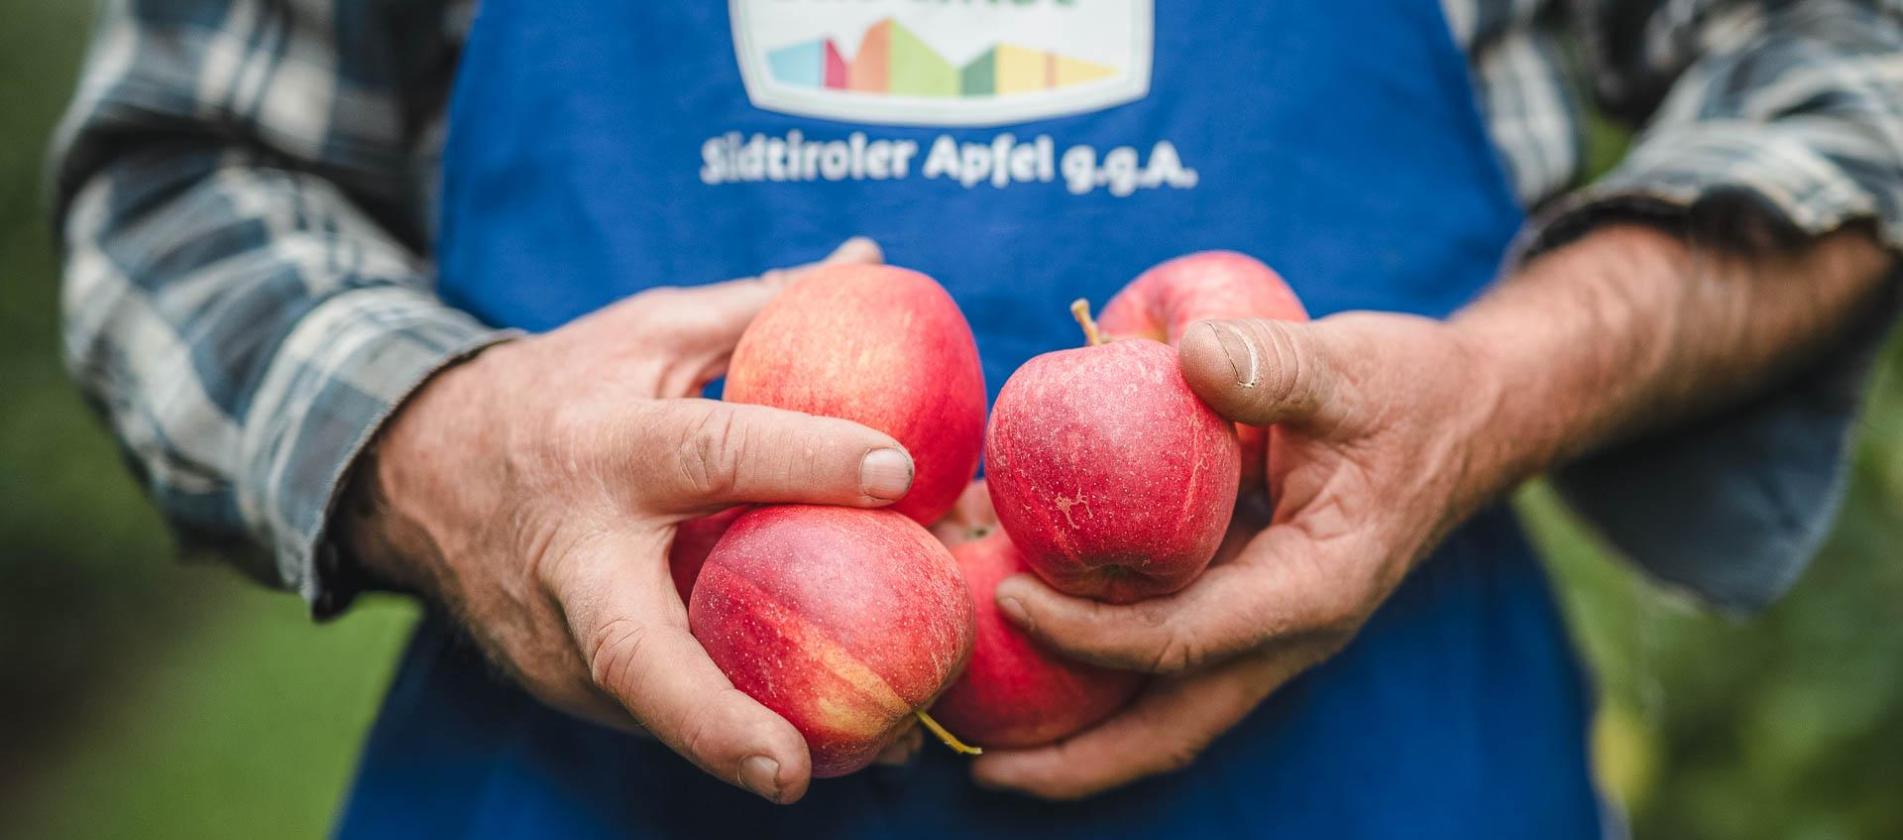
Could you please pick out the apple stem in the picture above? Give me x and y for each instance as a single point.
(950, 740)
(1080, 309)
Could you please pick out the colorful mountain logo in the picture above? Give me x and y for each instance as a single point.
(891, 60)
(988, 63)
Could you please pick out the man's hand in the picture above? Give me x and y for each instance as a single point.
(534, 491)
(1393, 429)
(1376, 414)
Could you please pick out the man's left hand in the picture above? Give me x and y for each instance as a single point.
(1378, 452)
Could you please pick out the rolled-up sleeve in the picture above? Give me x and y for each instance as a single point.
(1767, 121)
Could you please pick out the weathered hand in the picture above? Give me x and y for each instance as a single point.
(1393, 429)
(1373, 463)
(534, 490)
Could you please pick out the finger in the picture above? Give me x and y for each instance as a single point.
(710, 318)
(1172, 723)
(855, 251)
(632, 632)
(1270, 591)
(859, 249)
(717, 454)
(1262, 372)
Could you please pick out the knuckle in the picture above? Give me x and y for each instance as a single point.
(707, 454)
(1180, 651)
(614, 649)
(701, 731)
(1292, 371)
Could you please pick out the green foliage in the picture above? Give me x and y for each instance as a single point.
(142, 698)
(149, 699)
(1777, 725)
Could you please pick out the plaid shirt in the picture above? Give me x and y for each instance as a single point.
(245, 189)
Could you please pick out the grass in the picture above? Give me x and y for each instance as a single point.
(247, 725)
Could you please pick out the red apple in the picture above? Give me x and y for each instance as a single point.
(877, 345)
(1015, 693)
(1114, 479)
(1209, 285)
(970, 520)
(693, 541)
(846, 622)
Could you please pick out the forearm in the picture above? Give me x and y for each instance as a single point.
(1631, 329)
(1768, 125)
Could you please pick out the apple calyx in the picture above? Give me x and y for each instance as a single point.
(1080, 309)
(945, 736)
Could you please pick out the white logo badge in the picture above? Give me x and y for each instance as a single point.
(942, 62)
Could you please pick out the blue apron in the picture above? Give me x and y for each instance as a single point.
(598, 147)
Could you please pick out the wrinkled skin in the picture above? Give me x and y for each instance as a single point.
(1360, 489)
(543, 525)
(845, 622)
(1393, 429)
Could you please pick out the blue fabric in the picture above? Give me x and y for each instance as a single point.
(1458, 713)
(1732, 508)
(1338, 141)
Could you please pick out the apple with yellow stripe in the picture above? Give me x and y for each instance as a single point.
(1174, 295)
(846, 622)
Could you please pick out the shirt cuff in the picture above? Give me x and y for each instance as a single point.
(336, 378)
(1706, 177)
(1732, 508)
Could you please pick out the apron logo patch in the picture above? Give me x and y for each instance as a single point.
(942, 62)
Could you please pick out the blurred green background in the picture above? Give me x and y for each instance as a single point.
(148, 698)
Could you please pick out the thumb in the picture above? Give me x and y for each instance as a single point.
(632, 632)
(702, 455)
(1262, 372)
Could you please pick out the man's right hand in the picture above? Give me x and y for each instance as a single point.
(534, 491)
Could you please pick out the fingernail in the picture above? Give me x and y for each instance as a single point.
(885, 474)
(1244, 362)
(1014, 610)
(762, 776)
